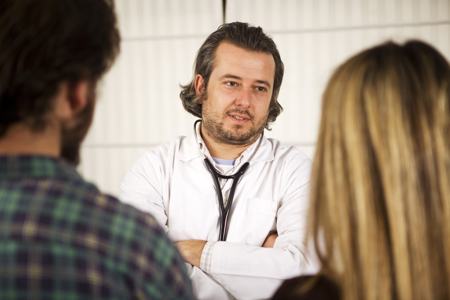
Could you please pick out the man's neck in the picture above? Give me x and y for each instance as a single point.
(225, 151)
(222, 150)
(19, 139)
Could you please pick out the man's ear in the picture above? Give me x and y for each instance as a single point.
(78, 95)
(199, 85)
(71, 99)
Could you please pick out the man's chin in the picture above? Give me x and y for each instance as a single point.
(71, 154)
(238, 137)
(71, 139)
(72, 136)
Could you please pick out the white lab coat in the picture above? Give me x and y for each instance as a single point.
(172, 183)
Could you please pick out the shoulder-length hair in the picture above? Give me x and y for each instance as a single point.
(380, 192)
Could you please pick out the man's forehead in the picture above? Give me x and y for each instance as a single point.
(236, 61)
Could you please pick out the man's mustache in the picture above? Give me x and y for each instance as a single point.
(241, 112)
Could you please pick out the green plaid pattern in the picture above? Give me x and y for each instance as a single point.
(60, 238)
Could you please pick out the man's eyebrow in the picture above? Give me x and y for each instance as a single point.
(231, 76)
(263, 82)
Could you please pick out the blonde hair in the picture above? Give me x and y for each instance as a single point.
(380, 191)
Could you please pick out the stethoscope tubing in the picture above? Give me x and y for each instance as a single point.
(225, 210)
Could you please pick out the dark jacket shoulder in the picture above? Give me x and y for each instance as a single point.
(316, 287)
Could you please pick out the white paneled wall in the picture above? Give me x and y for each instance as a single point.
(139, 105)
(314, 36)
(316, 15)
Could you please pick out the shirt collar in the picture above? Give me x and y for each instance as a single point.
(34, 167)
(195, 147)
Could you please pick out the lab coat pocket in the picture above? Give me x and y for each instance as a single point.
(258, 219)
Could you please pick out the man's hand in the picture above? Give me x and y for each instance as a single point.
(270, 239)
(191, 250)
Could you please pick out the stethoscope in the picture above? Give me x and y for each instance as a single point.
(225, 209)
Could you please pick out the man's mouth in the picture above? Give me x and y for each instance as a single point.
(239, 116)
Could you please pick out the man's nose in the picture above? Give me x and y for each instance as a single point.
(244, 97)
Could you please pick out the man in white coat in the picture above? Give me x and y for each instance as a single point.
(233, 200)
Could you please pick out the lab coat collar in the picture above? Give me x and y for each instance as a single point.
(194, 147)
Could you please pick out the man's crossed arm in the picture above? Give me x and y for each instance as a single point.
(191, 250)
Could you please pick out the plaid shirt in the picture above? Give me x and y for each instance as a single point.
(60, 238)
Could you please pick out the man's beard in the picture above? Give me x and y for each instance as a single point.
(73, 136)
(218, 132)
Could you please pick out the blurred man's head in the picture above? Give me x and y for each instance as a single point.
(53, 49)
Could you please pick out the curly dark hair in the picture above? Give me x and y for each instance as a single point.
(242, 35)
(46, 42)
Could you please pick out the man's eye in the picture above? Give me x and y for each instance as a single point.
(231, 83)
(261, 89)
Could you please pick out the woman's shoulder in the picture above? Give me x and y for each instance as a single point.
(315, 287)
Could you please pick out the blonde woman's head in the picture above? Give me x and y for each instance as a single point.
(380, 207)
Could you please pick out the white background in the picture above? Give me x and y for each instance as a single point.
(139, 106)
